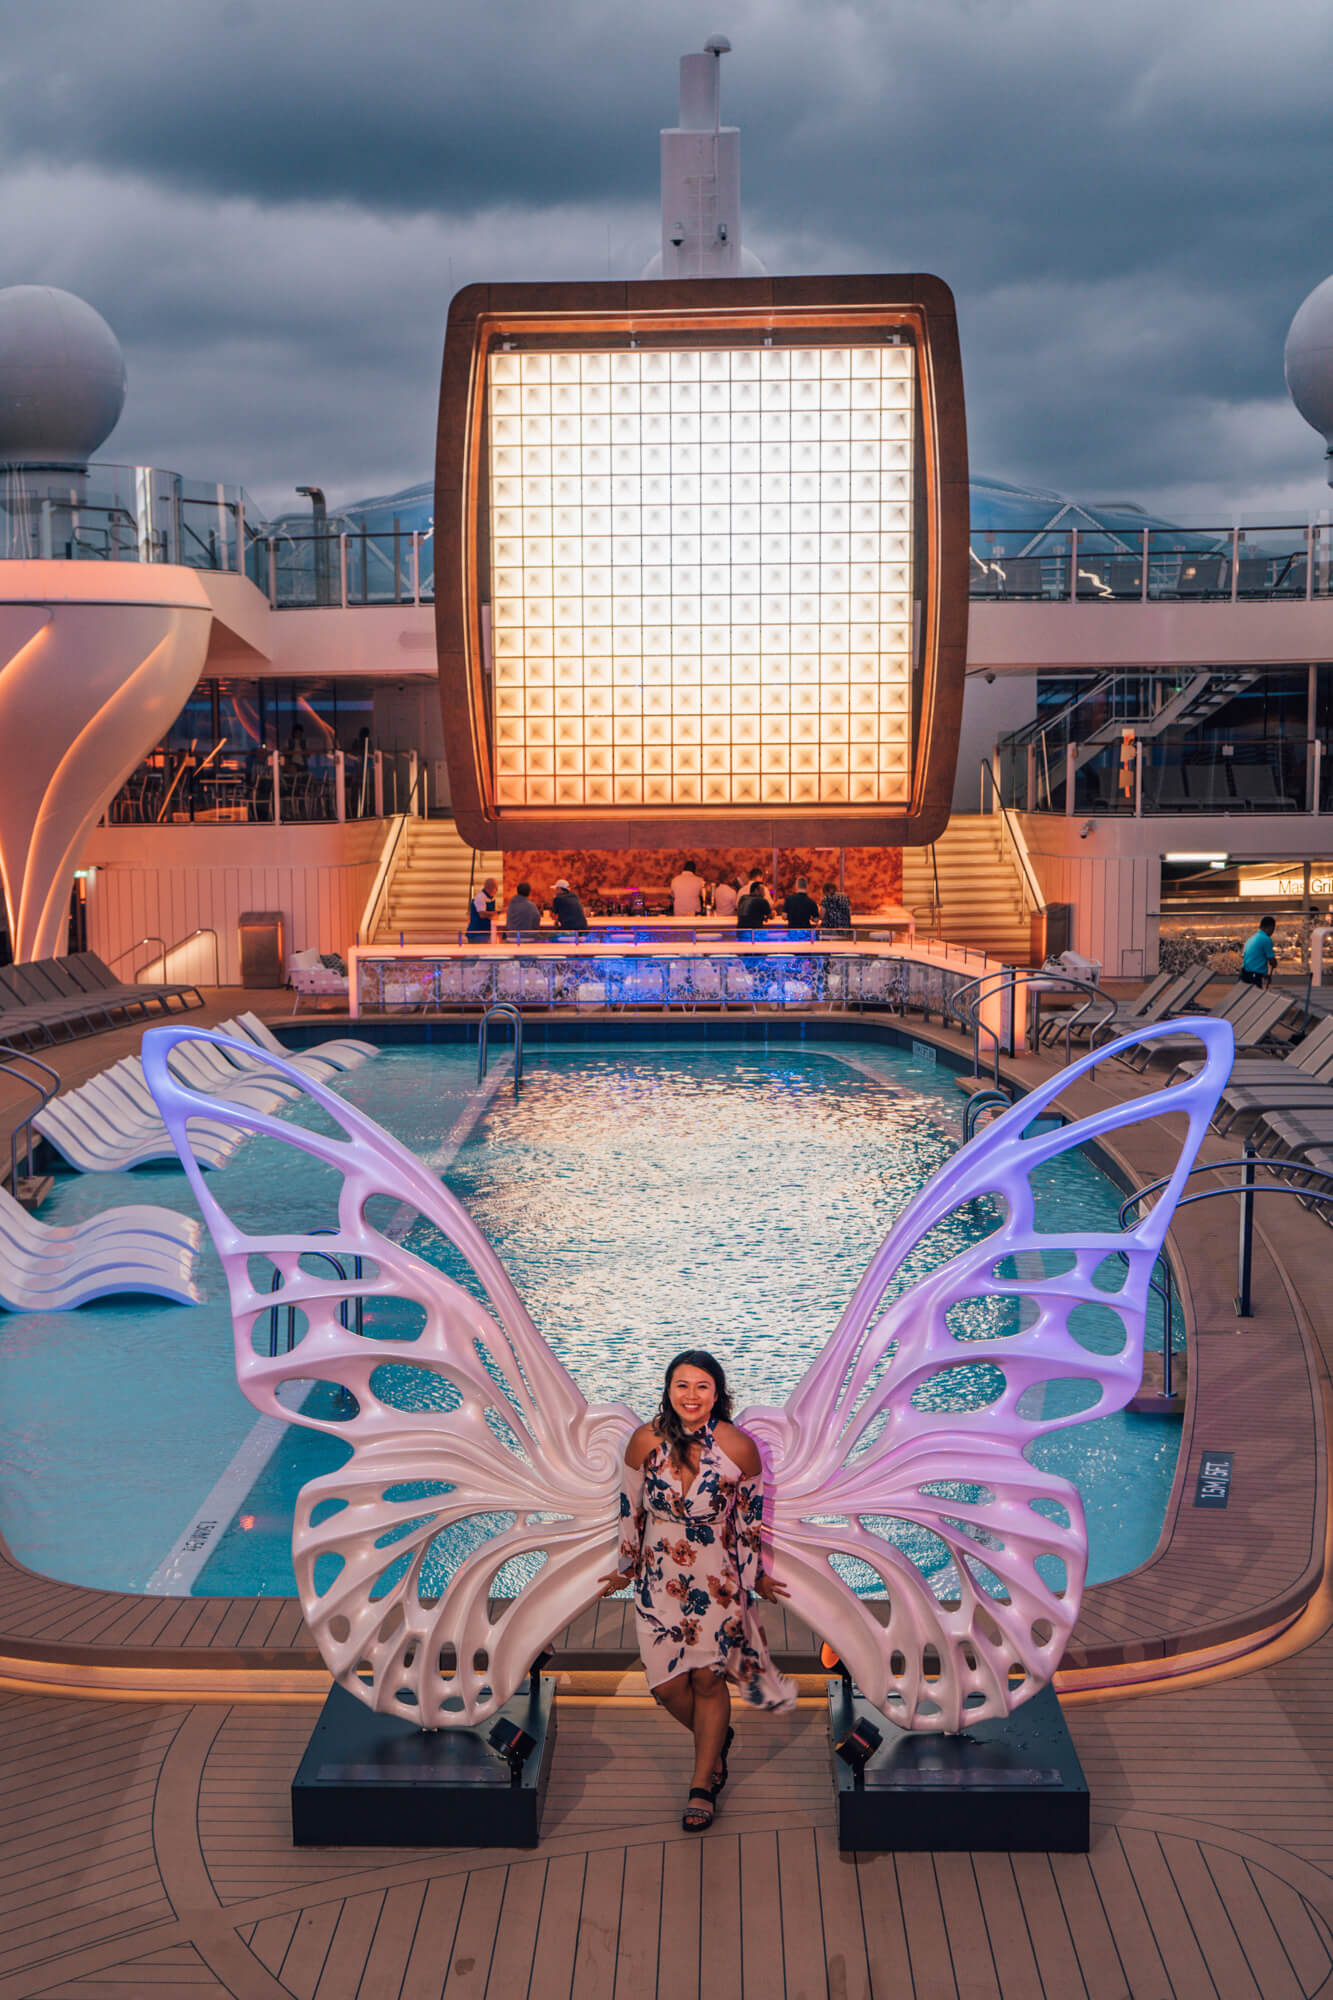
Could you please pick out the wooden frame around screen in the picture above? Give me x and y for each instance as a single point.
(585, 314)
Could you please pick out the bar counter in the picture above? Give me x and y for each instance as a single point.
(548, 972)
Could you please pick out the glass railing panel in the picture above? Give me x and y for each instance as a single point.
(1194, 566)
(1238, 778)
(1010, 564)
(379, 568)
(1271, 562)
(1321, 562)
(1103, 778)
(1110, 574)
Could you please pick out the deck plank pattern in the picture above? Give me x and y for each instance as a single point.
(1200, 1881)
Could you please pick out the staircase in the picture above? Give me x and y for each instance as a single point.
(981, 894)
(428, 889)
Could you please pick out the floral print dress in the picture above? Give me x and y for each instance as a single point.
(695, 1558)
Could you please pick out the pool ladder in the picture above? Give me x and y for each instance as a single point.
(354, 1324)
(503, 1010)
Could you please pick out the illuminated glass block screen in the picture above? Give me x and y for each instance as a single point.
(701, 576)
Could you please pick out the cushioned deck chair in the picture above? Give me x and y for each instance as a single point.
(1308, 1056)
(1295, 1131)
(1254, 1015)
(95, 976)
(1292, 1088)
(1172, 998)
(71, 1017)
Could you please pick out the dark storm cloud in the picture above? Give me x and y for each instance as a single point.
(271, 204)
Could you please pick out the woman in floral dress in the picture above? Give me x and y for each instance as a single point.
(691, 1508)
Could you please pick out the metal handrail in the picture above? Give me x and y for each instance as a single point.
(276, 1282)
(1030, 882)
(1011, 980)
(7, 1052)
(379, 888)
(982, 1100)
(150, 939)
(1247, 1191)
(202, 930)
(507, 1010)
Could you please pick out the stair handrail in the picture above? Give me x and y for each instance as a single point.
(8, 1055)
(507, 1010)
(379, 888)
(201, 930)
(151, 938)
(1012, 833)
(982, 1100)
(1009, 979)
(277, 1281)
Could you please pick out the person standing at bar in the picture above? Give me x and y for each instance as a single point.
(523, 914)
(481, 913)
(687, 891)
(836, 913)
(755, 908)
(567, 909)
(800, 908)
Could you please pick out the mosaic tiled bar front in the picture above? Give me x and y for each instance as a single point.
(583, 981)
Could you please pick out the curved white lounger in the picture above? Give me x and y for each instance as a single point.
(137, 1248)
(138, 1223)
(309, 1065)
(38, 1290)
(83, 1137)
(343, 1051)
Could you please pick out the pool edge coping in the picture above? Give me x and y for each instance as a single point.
(120, 1668)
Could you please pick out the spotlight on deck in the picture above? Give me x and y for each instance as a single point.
(860, 1743)
(513, 1744)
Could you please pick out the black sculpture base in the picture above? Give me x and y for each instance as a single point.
(1014, 1784)
(370, 1780)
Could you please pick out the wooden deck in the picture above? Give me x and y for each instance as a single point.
(146, 1851)
(145, 1848)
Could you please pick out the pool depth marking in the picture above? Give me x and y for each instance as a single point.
(176, 1573)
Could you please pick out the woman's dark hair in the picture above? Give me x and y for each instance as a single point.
(667, 1424)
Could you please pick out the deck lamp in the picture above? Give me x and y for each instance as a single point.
(859, 1744)
(513, 1744)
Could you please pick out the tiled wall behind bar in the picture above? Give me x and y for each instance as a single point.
(874, 875)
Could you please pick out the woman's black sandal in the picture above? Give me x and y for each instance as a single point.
(721, 1778)
(698, 1818)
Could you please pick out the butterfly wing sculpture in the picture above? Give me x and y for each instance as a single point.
(916, 1415)
(872, 1438)
(510, 1456)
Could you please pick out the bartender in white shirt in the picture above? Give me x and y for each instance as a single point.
(726, 896)
(687, 891)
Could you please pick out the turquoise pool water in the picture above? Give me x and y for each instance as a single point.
(643, 1199)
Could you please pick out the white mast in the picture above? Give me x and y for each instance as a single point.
(701, 178)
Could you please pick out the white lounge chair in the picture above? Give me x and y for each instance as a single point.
(82, 1135)
(52, 1268)
(343, 1051)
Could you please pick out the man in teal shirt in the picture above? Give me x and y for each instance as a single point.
(1259, 956)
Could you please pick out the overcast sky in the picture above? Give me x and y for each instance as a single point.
(271, 204)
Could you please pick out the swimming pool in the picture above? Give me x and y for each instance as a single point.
(644, 1198)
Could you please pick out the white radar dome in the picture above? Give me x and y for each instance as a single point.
(62, 378)
(1309, 363)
